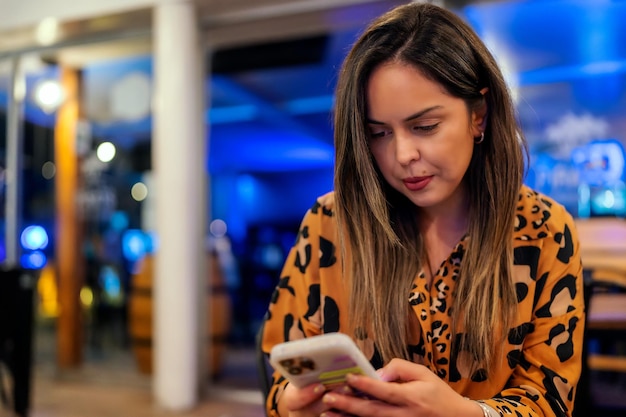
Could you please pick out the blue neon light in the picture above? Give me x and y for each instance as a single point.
(33, 260)
(307, 105)
(34, 238)
(135, 244)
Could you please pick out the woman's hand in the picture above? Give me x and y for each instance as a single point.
(307, 401)
(406, 389)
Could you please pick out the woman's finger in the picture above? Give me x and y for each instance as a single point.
(402, 370)
(299, 398)
(373, 389)
(342, 405)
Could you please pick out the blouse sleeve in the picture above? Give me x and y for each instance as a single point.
(548, 367)
(295, 307)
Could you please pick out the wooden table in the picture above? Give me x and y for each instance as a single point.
(602, 243)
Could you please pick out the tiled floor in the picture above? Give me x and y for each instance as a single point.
(107, 391)
(108, 385)
(71, 398)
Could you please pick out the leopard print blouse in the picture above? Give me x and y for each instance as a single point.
(541, 364)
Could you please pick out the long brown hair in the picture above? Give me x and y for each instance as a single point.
(378, 224)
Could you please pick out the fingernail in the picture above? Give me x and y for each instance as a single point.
(319, 389)
(329, 399)
(351, 377)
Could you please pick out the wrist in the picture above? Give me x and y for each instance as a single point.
(486, 410)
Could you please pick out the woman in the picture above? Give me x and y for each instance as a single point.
(461, 284)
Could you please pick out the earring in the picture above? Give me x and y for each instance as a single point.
(482, 137)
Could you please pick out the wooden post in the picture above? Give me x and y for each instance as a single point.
(69, 258)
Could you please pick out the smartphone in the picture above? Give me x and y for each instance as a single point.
(325, 358)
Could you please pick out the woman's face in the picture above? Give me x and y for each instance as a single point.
(421, 137)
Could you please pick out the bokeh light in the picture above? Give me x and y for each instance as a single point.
(106, 152)
(34, 238)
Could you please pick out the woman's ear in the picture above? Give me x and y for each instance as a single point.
(480, 114)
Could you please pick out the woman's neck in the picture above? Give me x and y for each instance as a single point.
(449, 221)
(441, 230)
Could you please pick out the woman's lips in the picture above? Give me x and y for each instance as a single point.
(416, 183)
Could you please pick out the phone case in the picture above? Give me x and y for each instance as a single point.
(326, 358)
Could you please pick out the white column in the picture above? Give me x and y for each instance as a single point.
(179, 151)
(14, 144)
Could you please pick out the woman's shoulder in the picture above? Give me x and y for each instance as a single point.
(539, 216)
(324, 205)
(321, 215)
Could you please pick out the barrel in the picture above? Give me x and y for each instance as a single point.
(140, 325)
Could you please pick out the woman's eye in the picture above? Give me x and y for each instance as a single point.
(426, 128)
(378, 134)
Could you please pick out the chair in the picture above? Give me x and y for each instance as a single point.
(17, 288)
(605, 329)
(607, 316)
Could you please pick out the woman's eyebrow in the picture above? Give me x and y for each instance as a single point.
(411, 117)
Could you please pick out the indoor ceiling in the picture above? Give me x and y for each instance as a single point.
(271, 67)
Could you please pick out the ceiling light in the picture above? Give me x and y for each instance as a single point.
(49, 95)
(47, 31)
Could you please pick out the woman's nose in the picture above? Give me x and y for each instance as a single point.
(407, 149)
